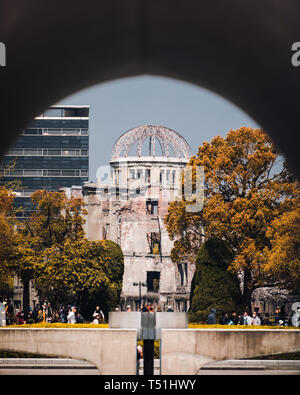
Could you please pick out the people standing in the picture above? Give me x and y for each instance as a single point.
(96, 319)
(40, 314)
(63, 315)
(277, 315)
(247, 319)
(139, 356)
(11, 319)
(30, 319)
(20, 318)
(234, 318)
(149, 307)
(255, 319)
(98, 311)
(224, 319)
(72, 316)
(35, 313)
(266, 321)
(296, 317)
(48, 312)
(211, 319)
(79, 318)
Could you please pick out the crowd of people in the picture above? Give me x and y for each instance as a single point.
(40, 313)
(71, 315)
(147, 307)
(280, 318)
(44, 313)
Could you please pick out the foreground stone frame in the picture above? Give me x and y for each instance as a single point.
(185, 351)
(112, 351)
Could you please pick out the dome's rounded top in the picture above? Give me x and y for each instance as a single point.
(151, 141)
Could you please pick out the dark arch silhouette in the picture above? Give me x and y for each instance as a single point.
(239, 49)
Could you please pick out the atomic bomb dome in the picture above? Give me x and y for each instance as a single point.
(129, 207)
(151, 141)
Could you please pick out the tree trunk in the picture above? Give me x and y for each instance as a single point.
(247, 289)
(26, 302)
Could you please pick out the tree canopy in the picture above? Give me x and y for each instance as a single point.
(50, 248)
(247, 187)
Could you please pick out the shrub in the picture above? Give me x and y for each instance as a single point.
(213, 286)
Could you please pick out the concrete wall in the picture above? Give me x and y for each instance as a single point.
(133, 320)
(113, 351)
(185, 351)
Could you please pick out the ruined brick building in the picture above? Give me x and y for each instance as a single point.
(128, 204)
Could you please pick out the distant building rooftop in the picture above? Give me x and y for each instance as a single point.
(65, 111)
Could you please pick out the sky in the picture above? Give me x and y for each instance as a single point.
(117, 106)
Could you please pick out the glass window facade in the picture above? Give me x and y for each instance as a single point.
(52, 152)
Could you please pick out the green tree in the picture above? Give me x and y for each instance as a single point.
(81, 272)
(70, 268)
(55, 220)
(213, 286)
(108, 295)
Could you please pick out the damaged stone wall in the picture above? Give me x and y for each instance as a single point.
(129, 209)
(129, 222)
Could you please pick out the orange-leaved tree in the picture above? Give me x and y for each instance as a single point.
(247, 186)
(7, 237)
(283, 258)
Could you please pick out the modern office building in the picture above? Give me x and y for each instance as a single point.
(52, 152)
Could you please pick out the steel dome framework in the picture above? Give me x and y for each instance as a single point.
(171, 143)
